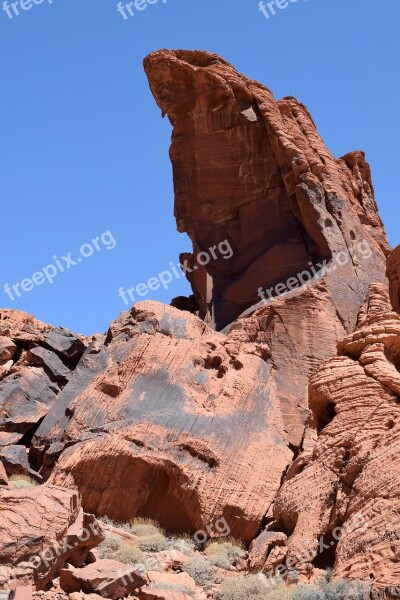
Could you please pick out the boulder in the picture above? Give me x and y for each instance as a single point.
(149, 414)
(263, 546)
(39, 532)
(107, 578)
(25, 398)
(7, 349)
(54, 367)
(66, 344)
(35, 363)
(15, 461)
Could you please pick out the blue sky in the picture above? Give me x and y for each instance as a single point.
(84, 150)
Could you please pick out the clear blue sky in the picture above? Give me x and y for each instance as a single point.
(84, 149)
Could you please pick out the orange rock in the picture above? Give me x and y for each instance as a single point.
(255, 172)
(152, 410)
(107, 578)
(351, 480)
(36, 535)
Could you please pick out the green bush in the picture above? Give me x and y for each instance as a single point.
(129, 554)
(144, 527)
(109, 546)
(250, 587)
(201, 571)
(223, 553)
(155, 542)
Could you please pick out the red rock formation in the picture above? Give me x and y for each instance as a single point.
(255, 172)
(36, 361)
(41, 529)
(155, 418)
(164, 417)
(351, 475)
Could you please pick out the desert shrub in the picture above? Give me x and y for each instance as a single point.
(184, 544)
(201, 571)
(129, 554)
(155, 542)
(280, 592)
(4, 594)
(22, 481)
(173, 587)
(250, 587)
(308, 592)
(332, 590)
(144, 527)
(223, 553)
(109, 546)
(342, 590)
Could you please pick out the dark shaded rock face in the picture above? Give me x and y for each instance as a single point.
(255, 172)
(393, 268)
(156, 422)
(35, 364)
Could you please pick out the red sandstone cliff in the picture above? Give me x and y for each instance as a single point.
(279, 416)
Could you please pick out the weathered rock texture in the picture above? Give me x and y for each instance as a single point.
(36, 361)
(254, 171)
(169, 420)
(352, 475)
(191, 419)
(41, 528)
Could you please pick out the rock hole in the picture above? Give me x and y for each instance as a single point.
(326, 559)
(213, 362)
(325, 416)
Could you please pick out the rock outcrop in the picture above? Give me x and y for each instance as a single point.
(149, 425)
(268, 401)
(253, 172)
(351, 475)
(36, 361)
(41, 528)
